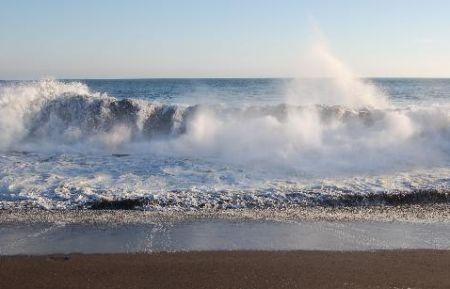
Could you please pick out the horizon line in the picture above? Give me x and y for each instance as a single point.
(219, 77)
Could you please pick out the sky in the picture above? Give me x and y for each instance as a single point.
(209, 38)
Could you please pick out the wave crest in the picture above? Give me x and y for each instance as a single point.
(313, 137)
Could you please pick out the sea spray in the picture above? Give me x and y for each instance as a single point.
(334, 83)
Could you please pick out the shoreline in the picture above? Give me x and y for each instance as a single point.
(40, 232)
(231, 269)
(430, 213)
(208, 234)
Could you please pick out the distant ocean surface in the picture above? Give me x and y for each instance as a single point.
(195, 144)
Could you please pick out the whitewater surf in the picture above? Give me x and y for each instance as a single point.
(68, 145)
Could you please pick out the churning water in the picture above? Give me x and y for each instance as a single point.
(171, 144)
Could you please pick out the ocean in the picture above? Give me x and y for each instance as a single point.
(223, 144)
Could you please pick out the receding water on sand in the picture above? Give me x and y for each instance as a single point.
(221, 234)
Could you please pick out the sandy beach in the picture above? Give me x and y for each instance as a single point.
(224, 144)
(377, 247)
(231, 269)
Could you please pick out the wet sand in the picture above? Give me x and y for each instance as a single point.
(231, 269)
(113, 242)
(220, 235)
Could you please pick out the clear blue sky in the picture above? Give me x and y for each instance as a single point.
(245, 38)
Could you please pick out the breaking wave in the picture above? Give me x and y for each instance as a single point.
(51, 115)
(65, 146)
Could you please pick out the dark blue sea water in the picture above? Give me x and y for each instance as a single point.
(268, 89)
(193, 144)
